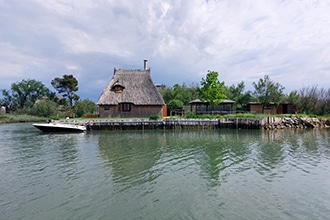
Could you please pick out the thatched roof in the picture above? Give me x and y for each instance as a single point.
(137, 88)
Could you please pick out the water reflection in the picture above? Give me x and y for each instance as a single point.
(130, 157)
(195, 174)
(135, 156)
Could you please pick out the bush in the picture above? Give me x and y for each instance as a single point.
(85, 107)
(201, 116)
(154, 117)
(45, 108)
(52, 117)
(190, 115)
(175, 103)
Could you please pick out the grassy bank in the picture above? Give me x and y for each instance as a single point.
(9, 118)
(15, 118)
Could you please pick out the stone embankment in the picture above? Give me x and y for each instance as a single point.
(271, 123)
(267, 123)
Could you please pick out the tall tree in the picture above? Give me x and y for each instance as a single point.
(212, 90)
(236, 93)
(267, 91)
(24, 94)
(181, 93)
(314, 101)
(67, 86)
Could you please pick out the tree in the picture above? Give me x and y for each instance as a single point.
(267, 91)
(24, 94)
(212, 90)
(293, 97)
(314, 101)
(323, 105)
(178, 92)
(44, 108)
(7, 100)
(85, 106)
(175, 103)
(67, 86)
(236, 93)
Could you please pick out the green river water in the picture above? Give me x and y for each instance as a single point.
(193, 174)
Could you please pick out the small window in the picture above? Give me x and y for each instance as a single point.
(107, 107)
(119, 89)
(126, 107)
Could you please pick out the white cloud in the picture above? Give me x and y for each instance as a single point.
(242, 40)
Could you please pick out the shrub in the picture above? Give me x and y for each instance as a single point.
(45, 108)
(175, 103)
(190, 115)
(154, 117)
(85, 107)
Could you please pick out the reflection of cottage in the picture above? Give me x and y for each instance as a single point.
(131, 93)
(201, 107)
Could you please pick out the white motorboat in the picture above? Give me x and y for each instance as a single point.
(59, 127)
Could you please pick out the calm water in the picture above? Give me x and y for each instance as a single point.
(222, 174)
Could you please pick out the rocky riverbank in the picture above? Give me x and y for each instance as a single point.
(272, 123)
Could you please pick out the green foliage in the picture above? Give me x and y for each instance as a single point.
(308, 100)
(201, 116)
(179, 92)
(236, 93)
(67, 86)
(10, 118)
(267, 91)
(212, 90)
(190, 115)
(244, 115)
(24, 94)
(293, 97)
(53, 117)
(175, 103)
(85, 106)
(154, 117)
(314, 101)
(44, 108)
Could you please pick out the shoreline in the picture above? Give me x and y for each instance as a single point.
(265, 123)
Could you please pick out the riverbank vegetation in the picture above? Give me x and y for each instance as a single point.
(13, 118)
(32, 98)
(309, 100)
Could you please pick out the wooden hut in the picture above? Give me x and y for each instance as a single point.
(131, 93)
(286, 108)
(258, 108)
(203, 107)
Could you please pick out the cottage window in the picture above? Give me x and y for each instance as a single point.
(126, 107)
(107, 107)
(118, 89)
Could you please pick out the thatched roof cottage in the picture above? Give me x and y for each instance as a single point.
(131, 93)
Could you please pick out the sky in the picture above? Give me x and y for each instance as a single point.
(242, 40)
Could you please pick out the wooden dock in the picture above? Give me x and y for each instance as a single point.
(173, 124)
(268, 123)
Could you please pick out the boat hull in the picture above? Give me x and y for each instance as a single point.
(60, 127)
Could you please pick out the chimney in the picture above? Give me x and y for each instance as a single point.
(145, 64)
